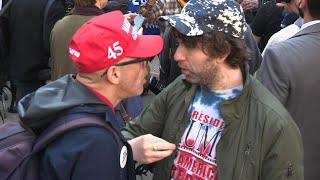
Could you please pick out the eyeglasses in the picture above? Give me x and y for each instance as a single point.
(130, 62)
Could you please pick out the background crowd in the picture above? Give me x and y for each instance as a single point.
(249, 65)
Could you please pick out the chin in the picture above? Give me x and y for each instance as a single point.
(191, 80)
(139, 93)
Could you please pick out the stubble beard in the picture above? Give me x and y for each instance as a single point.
(210, 76)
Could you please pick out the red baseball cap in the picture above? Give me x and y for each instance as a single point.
(107, 39)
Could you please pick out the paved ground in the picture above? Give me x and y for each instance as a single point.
(146, 100)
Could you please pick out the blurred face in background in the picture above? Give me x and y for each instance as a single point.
(290, 7)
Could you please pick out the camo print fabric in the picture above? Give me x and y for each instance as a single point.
(202, 16)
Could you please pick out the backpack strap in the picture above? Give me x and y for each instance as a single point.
(12, 132)
(124, 114)
(5, 7)
(59, 130)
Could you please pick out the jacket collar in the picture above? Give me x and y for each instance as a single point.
(86, 11)
(232, 109)
(310, 29)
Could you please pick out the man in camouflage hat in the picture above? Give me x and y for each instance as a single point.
(225, 124)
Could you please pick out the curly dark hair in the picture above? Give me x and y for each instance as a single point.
(216, 44)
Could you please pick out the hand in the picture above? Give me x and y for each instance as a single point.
(130, 16)
(249, 5)
(140, 31)
(148, 148)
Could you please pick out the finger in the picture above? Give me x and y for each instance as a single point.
(162, 154)
(163, 146)
(156, 156)
(140, 31)
(157, 139)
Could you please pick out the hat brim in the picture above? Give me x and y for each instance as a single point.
(186, 24)
(148, 46)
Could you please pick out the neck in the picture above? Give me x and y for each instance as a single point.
(109, 91)
(228, 79)
(307, 19)
(110, 95)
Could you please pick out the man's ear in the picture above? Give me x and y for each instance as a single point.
(302, 4)
(297, 3)
(223, 57)
(113, 75)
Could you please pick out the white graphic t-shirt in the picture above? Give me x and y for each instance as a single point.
(196, 157)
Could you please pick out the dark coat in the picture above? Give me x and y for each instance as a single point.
(27, 54)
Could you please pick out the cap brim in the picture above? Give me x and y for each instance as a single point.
(149, 45)
(186, 24)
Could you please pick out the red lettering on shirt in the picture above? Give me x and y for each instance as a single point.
(207, 119)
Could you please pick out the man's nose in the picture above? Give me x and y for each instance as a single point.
(179, 55)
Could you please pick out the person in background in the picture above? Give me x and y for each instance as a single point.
(266, 22)
(28, 52)
(250, 9)
(225, 124)
(153, 9)
(289, 18)
(113, 5)
(289, 30)
(63, 30)
(290, 70)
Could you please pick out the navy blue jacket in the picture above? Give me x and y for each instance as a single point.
(84, 153)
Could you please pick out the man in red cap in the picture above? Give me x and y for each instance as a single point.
(111, 60)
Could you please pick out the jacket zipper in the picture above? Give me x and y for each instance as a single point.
(246, 154)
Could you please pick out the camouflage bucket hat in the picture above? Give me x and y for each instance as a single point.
(203, 16)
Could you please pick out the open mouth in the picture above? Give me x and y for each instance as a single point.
(184, 71)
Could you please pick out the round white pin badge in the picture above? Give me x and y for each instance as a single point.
(123, 156)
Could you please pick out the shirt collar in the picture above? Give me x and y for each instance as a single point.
(86, 11)
(309, 24)
(101, 97)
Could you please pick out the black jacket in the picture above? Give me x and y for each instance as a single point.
(27, 54)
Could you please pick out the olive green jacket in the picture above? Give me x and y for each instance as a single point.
(60, 38)
(260, 140)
